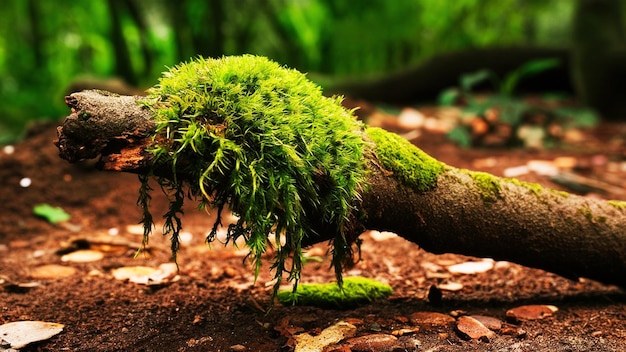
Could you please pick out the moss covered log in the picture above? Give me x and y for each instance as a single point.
(248, 134)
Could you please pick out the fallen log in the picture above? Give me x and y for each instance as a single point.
(245, 133)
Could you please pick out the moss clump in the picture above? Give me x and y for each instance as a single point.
(618, 204)
(414, 167)
(262, 140)
(355, 291)
(535, 188)
(488, 185)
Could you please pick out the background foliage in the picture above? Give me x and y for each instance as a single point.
(46, 44)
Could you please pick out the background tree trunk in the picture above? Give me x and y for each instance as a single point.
(461, 212)
(599, 55)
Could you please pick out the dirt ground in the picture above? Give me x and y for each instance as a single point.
(214, 304)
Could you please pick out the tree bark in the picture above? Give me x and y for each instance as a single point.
(565, 234)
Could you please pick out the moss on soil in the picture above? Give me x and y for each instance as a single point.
(355, 291)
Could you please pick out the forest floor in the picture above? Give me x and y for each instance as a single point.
(214, 304)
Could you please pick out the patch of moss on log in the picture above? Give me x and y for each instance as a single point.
(488, 185)
(409, 163)
(618, 204)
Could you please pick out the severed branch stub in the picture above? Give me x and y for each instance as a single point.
(109, 125)
(242, 132)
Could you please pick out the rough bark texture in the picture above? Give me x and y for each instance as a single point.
(113, 126)
(566, 234)
(569, 235)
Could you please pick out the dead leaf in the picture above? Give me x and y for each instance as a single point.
(450, 286)
(491, 323)
(431, 318)
(373, 342)
(144, 275)
(20, 333)
(381, 236)
(333, 334)
(472, 267)
(530, 312)
(473, 329)
(127, 272)
(52, 271)
(83, 256)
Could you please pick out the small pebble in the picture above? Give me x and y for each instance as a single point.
(8, 149)
(186, 237)
(410, 119)
(238, 348)
(25, 182)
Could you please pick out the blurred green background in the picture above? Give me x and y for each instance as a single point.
(46, 46)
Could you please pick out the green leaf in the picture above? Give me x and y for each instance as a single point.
(512, 111)
(528, 69)
(581, 117)
(448, 97)
(469, 80)
(461, 136)
(51, 214)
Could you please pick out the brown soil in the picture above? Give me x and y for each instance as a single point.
(215, 305)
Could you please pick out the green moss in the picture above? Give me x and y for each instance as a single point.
(618, 204)
(587, 213)
(560, 193)
(414, 167)
(535, 188)
(263, 140)
(489, 185)
(355, 291)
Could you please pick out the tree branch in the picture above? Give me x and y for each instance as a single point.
(460, 212)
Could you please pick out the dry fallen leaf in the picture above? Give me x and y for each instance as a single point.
(530, 312)
(20, 333)
(147, 275)
(431, 318)
(373, 342)
(474, 329)
(333, 334)
(472, 267)
(52, 271)
(83, 256)
(128, 272)
(450, 286)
